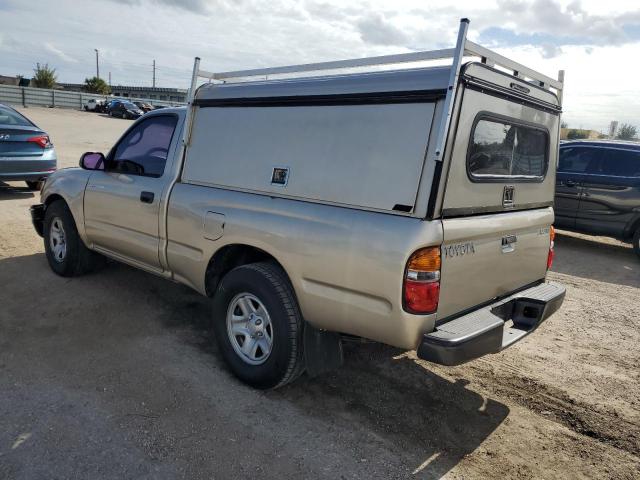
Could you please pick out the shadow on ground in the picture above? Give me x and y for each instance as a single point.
(15, 191)
(381, 408)
(589, 257)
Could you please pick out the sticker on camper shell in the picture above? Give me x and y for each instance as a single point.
(280, 176)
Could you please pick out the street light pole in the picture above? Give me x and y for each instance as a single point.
(97, 65)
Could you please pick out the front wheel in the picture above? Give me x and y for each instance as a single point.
(636, 242)
(66, 253)
(258, 325)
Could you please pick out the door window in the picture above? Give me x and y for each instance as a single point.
(576, 160)
(619, 163)
(502, 149)
(144, 149)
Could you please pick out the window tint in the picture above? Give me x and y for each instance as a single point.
(619, 163)
(575, 159)
(143, 151)
(11, 117)
(502, 149)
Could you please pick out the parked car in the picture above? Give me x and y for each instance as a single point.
(26, 152)
(145, 107)
(110, 103)
(316, 207)
(598, 189)
(93, 105)
(125, 110)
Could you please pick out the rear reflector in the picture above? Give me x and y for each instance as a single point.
(422, 281)
(421, 297)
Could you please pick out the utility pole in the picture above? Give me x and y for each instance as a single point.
(97, 65)
(154, 73)
(109, 78)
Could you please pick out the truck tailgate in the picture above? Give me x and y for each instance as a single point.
(489, 256)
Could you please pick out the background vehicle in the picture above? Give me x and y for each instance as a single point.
(384, 205)
(26, 152)
(598, 189)
(92, 105)
(145, 107)
(111, 102)
(124, 109)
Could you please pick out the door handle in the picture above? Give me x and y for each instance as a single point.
(569, 183)
(146, 197)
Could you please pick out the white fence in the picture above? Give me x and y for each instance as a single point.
(43, 97)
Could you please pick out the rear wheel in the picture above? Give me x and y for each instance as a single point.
(258, 325)
(66, 253)
(35, 186)
(636, 242)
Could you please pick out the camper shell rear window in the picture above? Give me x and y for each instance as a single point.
(504, 148)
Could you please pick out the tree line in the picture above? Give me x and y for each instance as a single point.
(45, 76)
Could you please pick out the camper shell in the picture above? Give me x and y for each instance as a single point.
(410, 206)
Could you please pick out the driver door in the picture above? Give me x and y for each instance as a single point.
(122, 203)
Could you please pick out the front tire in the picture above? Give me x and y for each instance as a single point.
(66, 253)
(636, 242)
(258, 325)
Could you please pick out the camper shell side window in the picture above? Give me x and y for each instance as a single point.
(506, 148)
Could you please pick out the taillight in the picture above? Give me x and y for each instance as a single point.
(552, 237)
(422, 281)
(41, 140)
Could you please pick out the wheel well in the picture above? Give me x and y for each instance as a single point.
(230, 257)
(634, 227)
(52, 198)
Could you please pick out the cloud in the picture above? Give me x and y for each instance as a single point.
(549, 51)
(195, 6)
(59, 53)
(375, 29)
(571, 25)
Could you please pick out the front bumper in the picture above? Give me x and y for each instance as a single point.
(37, 218)
(486, 330)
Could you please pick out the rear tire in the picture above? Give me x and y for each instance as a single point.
(255, 307)
(66, 253)
(35, 186)
(636, 242)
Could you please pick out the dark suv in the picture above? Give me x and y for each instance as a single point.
(598, 189)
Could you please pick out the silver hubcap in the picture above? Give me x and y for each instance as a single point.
(249, 329)
(57, 240)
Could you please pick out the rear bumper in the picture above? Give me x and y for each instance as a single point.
(29, 168)
(486, 330)
(37, 218)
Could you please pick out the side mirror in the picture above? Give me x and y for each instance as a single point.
(92, 161)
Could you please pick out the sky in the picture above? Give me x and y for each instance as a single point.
(596, 42)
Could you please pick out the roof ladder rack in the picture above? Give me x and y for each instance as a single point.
(463, 48)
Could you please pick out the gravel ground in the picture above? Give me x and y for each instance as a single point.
(115, 375)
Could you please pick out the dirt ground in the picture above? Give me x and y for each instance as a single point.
(115, 375)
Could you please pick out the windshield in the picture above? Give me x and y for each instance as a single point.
(9, 116)
(129, 105)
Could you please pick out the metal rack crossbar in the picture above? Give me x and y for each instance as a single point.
(471, 49)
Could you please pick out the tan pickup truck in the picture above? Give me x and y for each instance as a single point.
(411, 207)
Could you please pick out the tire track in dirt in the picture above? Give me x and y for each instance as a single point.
(554, 404)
